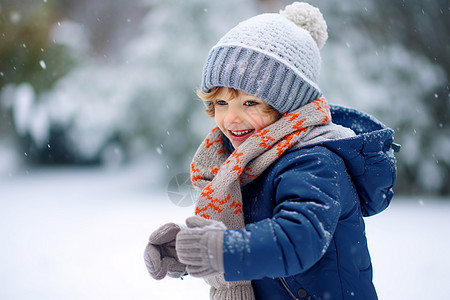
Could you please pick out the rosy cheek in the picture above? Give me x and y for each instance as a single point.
(268, 120)
(219, 122)
(263, 122)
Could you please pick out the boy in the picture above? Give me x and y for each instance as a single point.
(284, 189)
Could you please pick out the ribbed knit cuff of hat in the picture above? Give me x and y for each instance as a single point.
(201, 249)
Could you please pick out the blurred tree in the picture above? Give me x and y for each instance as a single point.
(27, 51)
(109, 24)
(422, 27)
(389, 58)
(170, 55)
(144, 98)
(28, 54)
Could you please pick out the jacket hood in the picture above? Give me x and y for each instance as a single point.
(369, 157)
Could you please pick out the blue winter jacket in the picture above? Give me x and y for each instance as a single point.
(305, 236)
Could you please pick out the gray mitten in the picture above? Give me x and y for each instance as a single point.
(160, 255)
(200, 246)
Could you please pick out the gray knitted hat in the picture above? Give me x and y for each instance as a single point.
(272, 56)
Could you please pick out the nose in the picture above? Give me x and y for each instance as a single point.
(233, 115)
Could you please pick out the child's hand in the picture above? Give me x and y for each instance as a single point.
(200, 246)
(160, 255)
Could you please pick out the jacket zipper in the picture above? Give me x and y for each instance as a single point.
(286, 287)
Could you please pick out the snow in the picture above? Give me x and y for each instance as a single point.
(80, 234)
(72, 35)
(94, 104)
(9, 159)
(23, 106)
(43, 64)
(409, 244)
(161, 51)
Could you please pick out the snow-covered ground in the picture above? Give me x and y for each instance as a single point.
(80, 234)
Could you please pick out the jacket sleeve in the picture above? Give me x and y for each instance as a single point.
(306, 191)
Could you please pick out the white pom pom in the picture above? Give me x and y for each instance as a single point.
(309, 18)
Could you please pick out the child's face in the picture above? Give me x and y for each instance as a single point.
(240, 117)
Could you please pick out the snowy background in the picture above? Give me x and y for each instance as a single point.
(98, 112)
(103, 82)
(80, 234)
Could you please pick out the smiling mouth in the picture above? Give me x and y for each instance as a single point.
(240, 136)
(240, 133)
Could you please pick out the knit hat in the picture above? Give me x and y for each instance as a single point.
(272, 56)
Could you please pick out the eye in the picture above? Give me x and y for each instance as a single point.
(221, 102)
(251, 103)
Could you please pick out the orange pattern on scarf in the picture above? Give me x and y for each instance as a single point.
(266, 139)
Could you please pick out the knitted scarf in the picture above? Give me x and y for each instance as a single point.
(220, 176)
